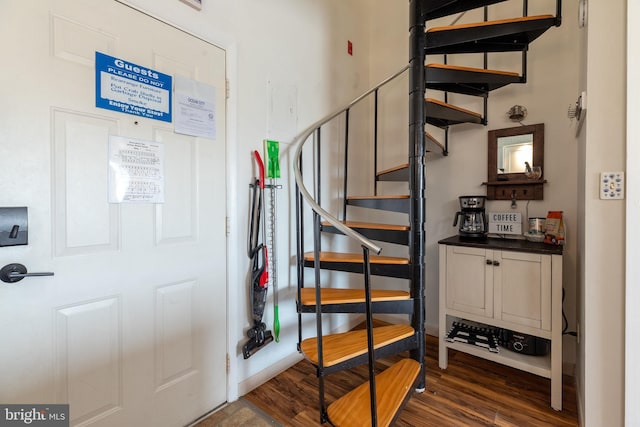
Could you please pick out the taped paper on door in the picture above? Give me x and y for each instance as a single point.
(195, 108)
(136, 170)
(554, 228)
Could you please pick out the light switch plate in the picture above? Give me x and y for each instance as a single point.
(611, 185)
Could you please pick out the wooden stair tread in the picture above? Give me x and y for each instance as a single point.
(398, 171)
(392, 386)
(468, 80)
(393, 169)
(489, 23)
(406, 165)
(370, 225)
(355, 258)
(397, 196)
(347, 296)
(338, 348)
(473, 70)
(434, 140)
(453, 107)
(393, 203)
(506, 35)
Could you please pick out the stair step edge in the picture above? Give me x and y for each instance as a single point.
(473, 70)
(488, 23)
(392, 387)
(386, 197)
(338, 348)
(346, 296)
(355, 258)
(452, 107)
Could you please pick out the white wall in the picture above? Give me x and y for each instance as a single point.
(632, 325)
(551, 88)
(299, 46)
(603, 254)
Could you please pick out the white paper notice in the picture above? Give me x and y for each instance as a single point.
(195, 108)
(136, 170)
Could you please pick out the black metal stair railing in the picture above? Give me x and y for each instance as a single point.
(301, 190)
(313, 133)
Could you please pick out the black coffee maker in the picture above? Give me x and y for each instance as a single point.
(471, 219)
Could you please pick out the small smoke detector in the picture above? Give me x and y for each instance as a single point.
(517, 113)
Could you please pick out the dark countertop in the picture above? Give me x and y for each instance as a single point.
(518, 245)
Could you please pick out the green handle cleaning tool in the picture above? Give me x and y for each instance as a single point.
(272, 154)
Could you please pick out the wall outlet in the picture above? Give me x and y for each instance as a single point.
(611, 185)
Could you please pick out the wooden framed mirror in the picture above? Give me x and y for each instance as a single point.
(509, 149)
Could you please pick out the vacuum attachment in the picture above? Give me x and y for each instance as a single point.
(258, 338)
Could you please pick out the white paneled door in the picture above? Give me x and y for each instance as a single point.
(131, 329)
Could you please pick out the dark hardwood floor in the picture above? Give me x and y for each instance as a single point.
(470, 392)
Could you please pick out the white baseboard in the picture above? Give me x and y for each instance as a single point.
(271, 371)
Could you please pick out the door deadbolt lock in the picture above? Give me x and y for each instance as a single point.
(12, 273)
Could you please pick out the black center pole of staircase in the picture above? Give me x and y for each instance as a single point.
(369, 320)
(417, 185)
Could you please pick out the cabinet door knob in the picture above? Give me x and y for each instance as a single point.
(489, 262)
(496, 263)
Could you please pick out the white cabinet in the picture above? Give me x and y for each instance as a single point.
(516, 285)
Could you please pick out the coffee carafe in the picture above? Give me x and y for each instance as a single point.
(471, 219)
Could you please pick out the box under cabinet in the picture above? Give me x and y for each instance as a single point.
(516, 285)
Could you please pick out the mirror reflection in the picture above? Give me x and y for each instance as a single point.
(513, 152)
(510, 151)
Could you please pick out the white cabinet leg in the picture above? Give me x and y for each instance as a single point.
(556, 332)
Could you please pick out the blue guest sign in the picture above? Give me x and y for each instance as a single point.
(132, 89)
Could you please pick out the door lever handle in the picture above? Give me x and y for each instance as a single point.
(12, 273)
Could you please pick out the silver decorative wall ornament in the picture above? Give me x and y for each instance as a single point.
(517, 113)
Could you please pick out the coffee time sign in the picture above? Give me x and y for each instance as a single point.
(505, 223)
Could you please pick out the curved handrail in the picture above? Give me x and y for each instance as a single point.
(302, 138)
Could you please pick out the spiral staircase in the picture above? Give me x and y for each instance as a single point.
(378, 401)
